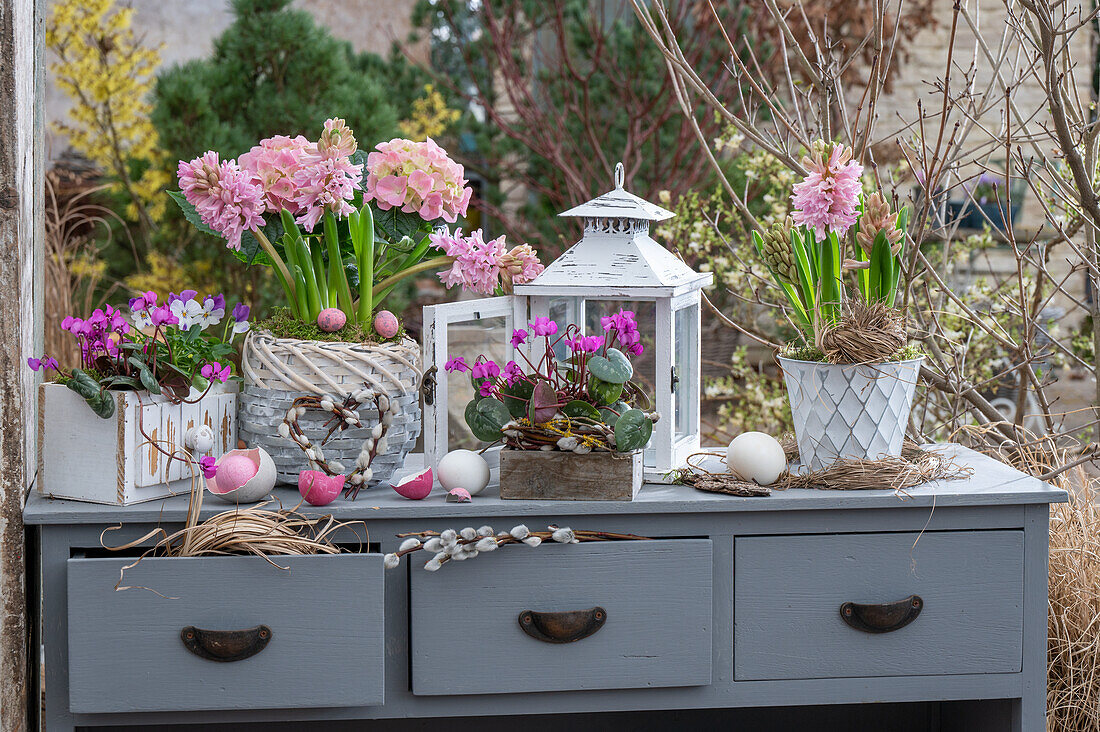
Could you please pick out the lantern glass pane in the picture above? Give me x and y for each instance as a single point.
(470, 339)
(565, 311)
(686, 362)
(645, 365)
(645, 315)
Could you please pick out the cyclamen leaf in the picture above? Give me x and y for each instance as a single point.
(632, 431)
(516, 397)
(486, 417)
(604, 392)
(615, 368)
(543, 404)
(578, 409)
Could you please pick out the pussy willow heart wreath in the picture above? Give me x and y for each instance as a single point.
(345, 415)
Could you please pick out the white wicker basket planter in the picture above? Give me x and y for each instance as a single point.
(84, 457)
(279, 370)
(849, 411)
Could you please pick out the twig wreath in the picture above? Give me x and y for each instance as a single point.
(345, 415)
(467, 543)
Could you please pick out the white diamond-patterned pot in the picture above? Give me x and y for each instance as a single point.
(278, 370)
(849, 411)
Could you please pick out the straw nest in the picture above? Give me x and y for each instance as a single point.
(914, 467)
(867, 333)
(256, 530)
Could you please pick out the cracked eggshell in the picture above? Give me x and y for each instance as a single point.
(319, 489)
(756, 457)
(243, 476)
(463, 469)
(458, 495)
(415, 486)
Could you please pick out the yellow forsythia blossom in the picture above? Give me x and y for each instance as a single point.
(430, 116)
(109, 75)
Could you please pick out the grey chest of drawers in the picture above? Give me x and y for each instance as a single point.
(802, 598)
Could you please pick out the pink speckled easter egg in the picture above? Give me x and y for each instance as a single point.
(385, 324)
(331, 320)
(234, 470)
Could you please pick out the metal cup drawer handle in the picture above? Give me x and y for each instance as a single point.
(566, 627)
(225, 645)
(882, 618)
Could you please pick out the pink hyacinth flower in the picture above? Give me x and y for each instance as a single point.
(827, 199)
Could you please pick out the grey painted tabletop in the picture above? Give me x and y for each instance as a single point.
(991, 483)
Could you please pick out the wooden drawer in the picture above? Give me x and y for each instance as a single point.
(466, 636)
(325, 644)
(789, 591)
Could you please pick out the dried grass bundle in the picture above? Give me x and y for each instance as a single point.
(1073, 623)
(914, 467)
(254, 530)
(866, 333)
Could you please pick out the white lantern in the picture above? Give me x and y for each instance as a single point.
(616, 265)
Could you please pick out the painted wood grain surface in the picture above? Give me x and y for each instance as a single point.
(789, 590)
(466, 639)
(565, 476)
(992, 484)
(325, 615)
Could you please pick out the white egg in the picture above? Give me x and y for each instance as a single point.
(757, 457)
(463, 469)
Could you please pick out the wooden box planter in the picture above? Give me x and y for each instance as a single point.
(553, 475)
(86, 458)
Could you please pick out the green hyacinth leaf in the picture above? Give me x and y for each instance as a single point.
(604, 392)
(615, 368)
(486, 417)
(632, 431)
(516, 397)
(577, 409)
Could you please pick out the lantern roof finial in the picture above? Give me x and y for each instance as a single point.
(619, 204)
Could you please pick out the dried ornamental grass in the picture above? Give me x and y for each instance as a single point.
(867, 333)
(1073, 622)
(254, 530)
(915, 466)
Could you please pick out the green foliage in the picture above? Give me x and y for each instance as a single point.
(272, 71)
(632, 431)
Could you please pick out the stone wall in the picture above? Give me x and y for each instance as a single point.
(186, 29)
(926, 64)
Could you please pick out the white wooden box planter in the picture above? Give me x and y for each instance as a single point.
(84, 457)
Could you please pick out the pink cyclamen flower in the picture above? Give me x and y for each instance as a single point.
(417, 177)
(327, 184)
(458, 363)
(485, 369)
(163, 316)
(273, 163)
(828, 197)
(585, 344)
(209, 467)
(214, 371)
(42, 364)
(512, 373)
(519, 337)
(543, 327)
(486, 388)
